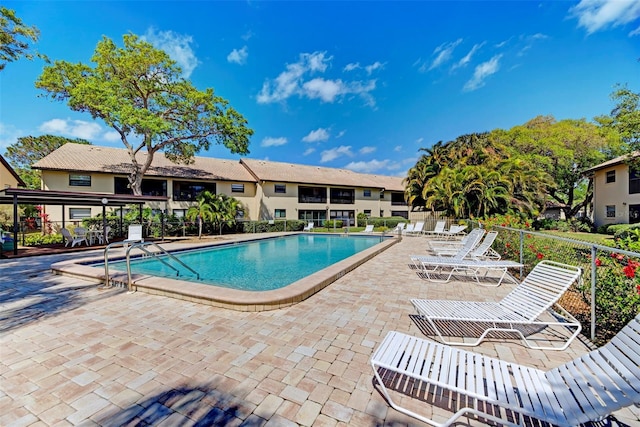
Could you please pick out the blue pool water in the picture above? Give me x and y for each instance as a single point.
(258, 265)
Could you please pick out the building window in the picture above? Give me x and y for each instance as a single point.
(381, 194)
(397, 199)
(280, 213)
(347, 217)
(367, 193)
(150, 187)
(317, 217)
(188, 191)
(79, 180)
(634, 182)
(312, 195)
(79, 213)
(611, 176)
(634, 214)
(179, 213)
(367, 213)
(403, 214)
(611, 211)
(280, 188)
(343, 196)
(237, 188)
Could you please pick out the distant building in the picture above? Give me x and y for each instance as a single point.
(267, 190)
(8, 177)
(616, 192)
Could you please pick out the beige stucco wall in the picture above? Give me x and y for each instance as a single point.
(612, 194)
(7, 180)
(270, 201)
(104, 183)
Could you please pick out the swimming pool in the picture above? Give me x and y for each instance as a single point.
(91, 268)
(261, 265)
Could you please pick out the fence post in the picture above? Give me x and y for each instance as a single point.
(593, 292)
(521, 247)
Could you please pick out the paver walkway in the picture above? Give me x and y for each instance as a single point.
(71, 354)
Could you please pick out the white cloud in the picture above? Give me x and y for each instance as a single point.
(595, 15)
(334, 153)
(178, 47)
(9, 135)
(443, 53)
(238, 56)
(464, 61)
(341, 134)
(246, 36)
(375, 66)
(419, 140)
(273, 142)
(481, 72)
(72, 128)
(635, 32)
(317, 135)
(111, 136)
(293, 81)
(308, 151)
(368, 167)
(367, 150)
(351, 67)
(397, 148)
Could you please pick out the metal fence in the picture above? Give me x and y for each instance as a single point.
(607, 297)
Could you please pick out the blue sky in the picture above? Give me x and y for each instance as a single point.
(357, 85)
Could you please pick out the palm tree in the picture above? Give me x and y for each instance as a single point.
(226, 210)
(203, 211)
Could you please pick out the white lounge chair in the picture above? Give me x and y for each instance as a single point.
(73, 239)
(417, 229)
(309, 227)
(368, 229)
(588, 388)
(398, 228)
(438, 229)
(408, 229)
(448, 247)
(523, 307)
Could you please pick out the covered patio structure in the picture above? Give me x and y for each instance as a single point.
(20, 196)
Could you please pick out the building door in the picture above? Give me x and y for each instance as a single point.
(318, 217)
(634, 214)
(347, 217)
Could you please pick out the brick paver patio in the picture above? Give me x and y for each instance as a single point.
(72, 354)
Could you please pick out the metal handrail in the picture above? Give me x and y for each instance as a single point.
(141, 246)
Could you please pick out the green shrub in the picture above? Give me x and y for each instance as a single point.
(37, 239)
(337, 223)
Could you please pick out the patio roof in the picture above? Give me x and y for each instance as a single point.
(20, 196)
(46, 197)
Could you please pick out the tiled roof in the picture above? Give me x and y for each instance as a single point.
(305, 174)
(92, 158)
(612, 162)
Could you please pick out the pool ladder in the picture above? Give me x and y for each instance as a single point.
(142, 246)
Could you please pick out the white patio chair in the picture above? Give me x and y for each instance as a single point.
(368, 229)
(588, 388)
(522, 308)
(134, 235)
(309, 227)
(71, 239)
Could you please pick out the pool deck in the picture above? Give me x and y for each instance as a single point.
(73, 354)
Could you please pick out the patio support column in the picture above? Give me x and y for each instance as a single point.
(15, 224)
(104, 219)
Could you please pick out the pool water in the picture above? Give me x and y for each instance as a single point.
(257, 265)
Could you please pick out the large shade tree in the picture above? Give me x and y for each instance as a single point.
(138, 91)
(29, 149)
(15, 38)
(563, 149)
(624, 119)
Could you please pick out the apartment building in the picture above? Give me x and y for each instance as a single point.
(267, 190)
(616, 192)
